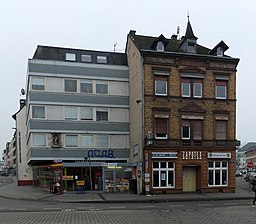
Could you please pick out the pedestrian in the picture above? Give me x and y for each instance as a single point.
(253, 182)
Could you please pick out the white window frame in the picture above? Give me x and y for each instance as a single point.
(87, 139)
(37, 83)
(74, 141)
(34, 108)
(189, 129)
(70, 113)
(183, 89)
(160, 46)
(101, 59)
(71, 80)
(86, 109)
(90, 82)
(70, 57)
(86, 58)
(102, 83)
(166, 169)
(221, 168)
(159, 93)
(102, 137)
(197, 85)
(40, 138)
(217, 89)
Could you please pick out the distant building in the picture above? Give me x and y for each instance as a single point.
(243, 155)
(183, 114)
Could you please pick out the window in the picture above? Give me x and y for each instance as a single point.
(161, 125)
(38, 112)
(86, 113)
(218, 173)
(161, 86)
(101, 115)
(87, 141)
(221, 89)
(71, 141)
(160, 46)
(86, 58)
(102, 141)
(102, 59)
(102, 87)
(191, 87)
(38, 83)
(70, 57)
(70, 85)
(192, 129)
(86, 86)
(163, 174)
(219, 52)
(221, 129)
(39, 140)
(70, 113)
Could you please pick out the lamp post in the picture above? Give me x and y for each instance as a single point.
(140, 150)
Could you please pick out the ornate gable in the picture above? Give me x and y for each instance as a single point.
(192, 108)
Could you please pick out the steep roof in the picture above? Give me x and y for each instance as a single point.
(247, 147)
(145, 43)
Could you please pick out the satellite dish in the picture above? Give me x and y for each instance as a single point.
(22, 92)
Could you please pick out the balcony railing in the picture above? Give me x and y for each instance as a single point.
(189, 143)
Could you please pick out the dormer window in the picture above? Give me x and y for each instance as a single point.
(219, 51)
(160, 46)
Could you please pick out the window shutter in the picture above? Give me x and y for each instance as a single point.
(221, 130)
(161, 127)
(198, 130)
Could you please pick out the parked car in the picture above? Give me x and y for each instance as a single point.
(238, 173)
(4, 174)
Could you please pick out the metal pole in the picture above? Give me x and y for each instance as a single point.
(90, 169)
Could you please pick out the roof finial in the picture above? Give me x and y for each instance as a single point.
(188, 15)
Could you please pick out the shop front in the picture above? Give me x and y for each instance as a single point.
(188, 171)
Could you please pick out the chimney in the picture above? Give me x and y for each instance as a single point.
(22, 103)
(174, 37)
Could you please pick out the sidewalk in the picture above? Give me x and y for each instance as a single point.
(34, 193)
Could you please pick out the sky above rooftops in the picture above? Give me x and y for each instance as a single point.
(100, 24)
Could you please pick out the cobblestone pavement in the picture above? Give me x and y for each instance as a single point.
(227, 215)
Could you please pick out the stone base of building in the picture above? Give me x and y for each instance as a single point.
(25, 182)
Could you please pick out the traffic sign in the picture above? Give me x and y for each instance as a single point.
(250, 165)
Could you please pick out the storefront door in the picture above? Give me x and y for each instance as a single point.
(189, 179)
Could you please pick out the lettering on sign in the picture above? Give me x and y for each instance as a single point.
(191, 155)
(100, 154)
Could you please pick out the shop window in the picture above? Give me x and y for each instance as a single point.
(38, 112)
(163, 174)
(218, 173)
(70, 85)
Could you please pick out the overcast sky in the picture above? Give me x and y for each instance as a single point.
(99, 24)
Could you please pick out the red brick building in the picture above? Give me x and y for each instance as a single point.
(182, 114)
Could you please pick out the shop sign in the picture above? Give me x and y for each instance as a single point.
(159, 155)
(192, 155)
(68, 177)
(80, 182)
(100, 154)
(135, 150)
(219, 155)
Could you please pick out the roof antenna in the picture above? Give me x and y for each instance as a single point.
(115, 46)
